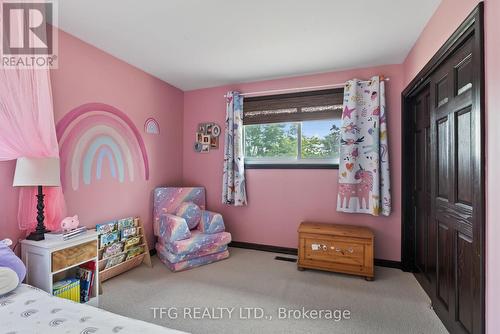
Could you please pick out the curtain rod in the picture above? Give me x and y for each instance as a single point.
(303, 88)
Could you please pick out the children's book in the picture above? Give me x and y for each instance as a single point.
(68, 288)
(131, 242)
(133, 252)
(85, 276)
(109, 238)
(92, 267)
(113, 250)
(113, 261)
(125, 223)
(106, 227)
(128, 232)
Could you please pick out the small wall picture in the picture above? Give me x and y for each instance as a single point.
(199, 137)
(205, 140)
(202, 128)
(208, 129)
(197, 147)
(205, 148)
(216, 130)
(214, 142)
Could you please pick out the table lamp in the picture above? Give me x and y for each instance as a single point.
(37, 172)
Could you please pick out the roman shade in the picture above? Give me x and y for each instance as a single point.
(295, 107)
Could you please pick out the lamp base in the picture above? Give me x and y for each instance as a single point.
(39, 233)
(36, 236)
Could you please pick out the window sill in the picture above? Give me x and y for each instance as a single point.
(290, 166)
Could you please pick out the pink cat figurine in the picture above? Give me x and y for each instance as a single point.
(70, 223)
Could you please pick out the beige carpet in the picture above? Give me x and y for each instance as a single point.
(393, 303)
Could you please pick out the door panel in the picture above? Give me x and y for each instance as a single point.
(465, 288)
(463, 143)
(443, 264)
(463, 73)
(442, 91)
(424, 233)
(442, 158)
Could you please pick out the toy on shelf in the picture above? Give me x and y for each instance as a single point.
(70, 223)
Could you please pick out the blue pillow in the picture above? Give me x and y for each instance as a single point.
(190, 212)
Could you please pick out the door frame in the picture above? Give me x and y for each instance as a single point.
(474, 23)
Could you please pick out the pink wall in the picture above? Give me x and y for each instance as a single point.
(280, 199)
(86, 75)
(439, 28)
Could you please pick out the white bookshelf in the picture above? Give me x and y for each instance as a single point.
(38, 257)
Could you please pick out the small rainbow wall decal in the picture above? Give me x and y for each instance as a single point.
(151, 126)
(93, 134)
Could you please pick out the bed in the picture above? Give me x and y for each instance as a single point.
(30, 310)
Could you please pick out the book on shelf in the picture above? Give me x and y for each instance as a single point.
(107, 227)
(90, 266)
(66, 235)
(115, 260)
(85, 274)
(68, 288)
(112, 250)
(134, 251)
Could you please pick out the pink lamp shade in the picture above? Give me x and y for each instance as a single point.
(37, 172)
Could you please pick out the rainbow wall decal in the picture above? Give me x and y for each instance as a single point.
(151, 126)
(94, 134)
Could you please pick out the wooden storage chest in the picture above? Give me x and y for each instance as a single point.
(338, 248)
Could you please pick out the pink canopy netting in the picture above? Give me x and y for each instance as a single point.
(27, 130)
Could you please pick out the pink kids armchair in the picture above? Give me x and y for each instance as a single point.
(188, 235)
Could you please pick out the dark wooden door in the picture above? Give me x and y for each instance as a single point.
(443, 178)
(425, 231)
(444, 189)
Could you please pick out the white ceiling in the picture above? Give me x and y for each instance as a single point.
(204, 43)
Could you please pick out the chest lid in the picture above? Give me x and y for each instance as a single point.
(335, 229)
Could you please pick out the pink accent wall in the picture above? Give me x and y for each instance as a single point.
(443, 23)
(86, 75)
(280, 199)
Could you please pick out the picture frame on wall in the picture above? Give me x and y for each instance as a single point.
(208, 129)
(197, 147)
(205, 148)
(201, 128)
(216, 130)
(199, 137)
(205, 140)
(214, 142)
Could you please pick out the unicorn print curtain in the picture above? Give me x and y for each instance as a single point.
(364, 184)
(233, 183)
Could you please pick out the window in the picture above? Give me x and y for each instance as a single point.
(300, 130)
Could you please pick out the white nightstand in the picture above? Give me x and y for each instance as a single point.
(53, 259)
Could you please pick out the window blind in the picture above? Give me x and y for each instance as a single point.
(295, 107)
